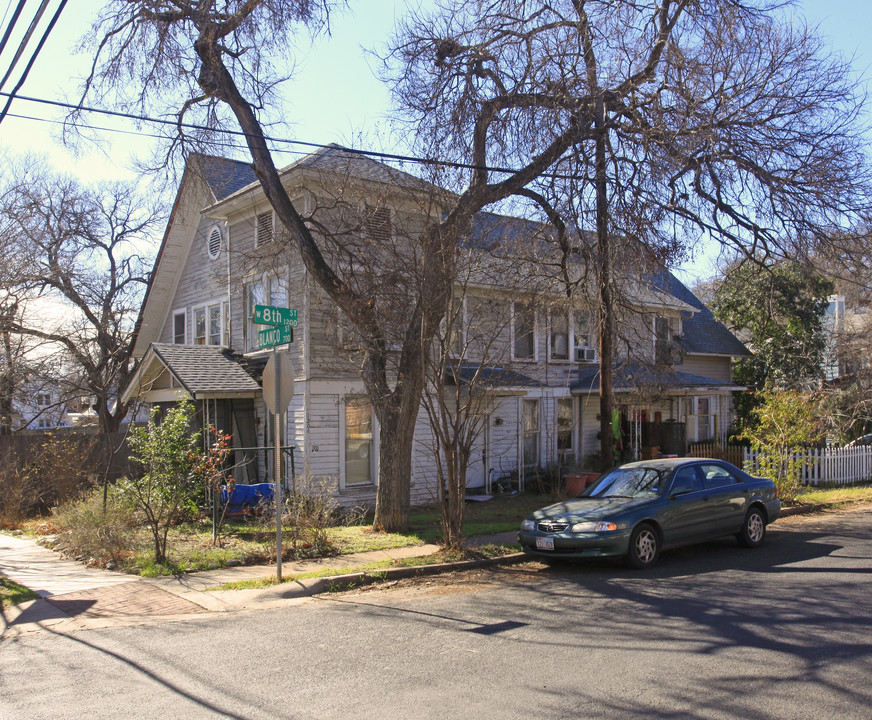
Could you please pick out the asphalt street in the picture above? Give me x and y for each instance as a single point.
(713, 631)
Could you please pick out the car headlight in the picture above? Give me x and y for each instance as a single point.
(528, 525)
(586, 527)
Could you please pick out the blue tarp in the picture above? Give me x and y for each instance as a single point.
(248, 495)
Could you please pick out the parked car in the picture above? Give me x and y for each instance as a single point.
(639, 509)
(863, 440)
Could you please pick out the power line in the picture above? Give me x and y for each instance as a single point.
(395, 157)
(12, 21)
(25, 40)
(33, 57)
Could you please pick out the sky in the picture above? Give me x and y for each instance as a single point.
(335, 96)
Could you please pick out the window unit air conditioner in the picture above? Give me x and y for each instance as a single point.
(583, 354)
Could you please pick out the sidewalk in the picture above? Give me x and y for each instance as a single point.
(74, 596)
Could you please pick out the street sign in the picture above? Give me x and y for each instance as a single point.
(279, 365)
(269, 315)
(278, 335)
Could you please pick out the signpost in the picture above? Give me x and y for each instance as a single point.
(283, 322)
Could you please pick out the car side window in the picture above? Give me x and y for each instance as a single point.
(686, 480)
(716, 476)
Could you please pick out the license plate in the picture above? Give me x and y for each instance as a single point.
(544, 543)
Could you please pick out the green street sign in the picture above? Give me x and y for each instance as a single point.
(269, 315)
(278, 335)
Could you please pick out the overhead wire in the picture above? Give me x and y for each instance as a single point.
(22, 45)
(33, 57)
(11, 26)
(393, 157)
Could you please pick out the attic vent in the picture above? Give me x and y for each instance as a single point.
(264, 230)
(378, 224)
(213, 243)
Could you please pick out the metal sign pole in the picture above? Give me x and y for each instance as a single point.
(278, 465)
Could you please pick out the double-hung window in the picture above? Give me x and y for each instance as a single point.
(530, 429)
(358, 440)
(211, 323)
(570, 337)
(523, 331)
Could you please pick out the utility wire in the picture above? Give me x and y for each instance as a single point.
(33, 57)
(26, 39)
(396, 157)
(11, 26)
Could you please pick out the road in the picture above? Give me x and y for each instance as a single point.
(714, 631)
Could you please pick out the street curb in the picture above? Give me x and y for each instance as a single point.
(339, 583)
(805, 509)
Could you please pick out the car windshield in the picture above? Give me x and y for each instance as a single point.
(630, 482)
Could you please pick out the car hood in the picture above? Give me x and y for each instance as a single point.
(585, 508)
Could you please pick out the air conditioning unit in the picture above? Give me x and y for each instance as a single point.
(583, 354)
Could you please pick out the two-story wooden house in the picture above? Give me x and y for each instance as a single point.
(222, 254)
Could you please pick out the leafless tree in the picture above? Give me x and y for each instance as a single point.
(687, 120)
(80, 281)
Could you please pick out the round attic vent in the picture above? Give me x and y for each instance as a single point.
(213, 243)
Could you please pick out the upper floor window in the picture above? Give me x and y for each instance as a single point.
(210, 324)
(264, 230)
(570, 337)
(43, 400)
(523, 331)
(662, 341)
(180, 330)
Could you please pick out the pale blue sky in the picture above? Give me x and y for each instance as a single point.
(334, 98)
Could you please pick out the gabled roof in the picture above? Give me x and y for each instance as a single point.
(637, 376)
(223, 176)
(203, 371)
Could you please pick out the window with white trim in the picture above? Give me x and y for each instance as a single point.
(358, 440)
(180, 327)
(211, 323)
(523, 331)
(570, 337)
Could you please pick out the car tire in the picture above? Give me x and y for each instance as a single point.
(753, 530)
(644, 547)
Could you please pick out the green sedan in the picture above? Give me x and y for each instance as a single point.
(639, 509)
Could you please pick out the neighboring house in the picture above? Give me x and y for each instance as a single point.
(219, 257)
(848, 329)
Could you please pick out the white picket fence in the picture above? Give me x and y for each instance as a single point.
(836, 466)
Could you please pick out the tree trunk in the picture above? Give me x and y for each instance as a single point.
(604, 289)
(396, 433)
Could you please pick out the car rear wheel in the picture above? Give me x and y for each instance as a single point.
(644, 547)
(753, 530)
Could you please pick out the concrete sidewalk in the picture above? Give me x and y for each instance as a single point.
(75, 596)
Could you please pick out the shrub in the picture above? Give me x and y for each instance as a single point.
(86, 530)
(166, 490)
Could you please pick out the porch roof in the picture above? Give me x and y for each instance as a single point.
(487, 376)
(203, 371)
(635, 376)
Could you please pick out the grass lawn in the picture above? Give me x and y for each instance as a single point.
(11, 593)
(835, 495)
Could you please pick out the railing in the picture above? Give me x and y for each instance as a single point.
(836, 466)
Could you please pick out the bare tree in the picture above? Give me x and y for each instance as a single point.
(80, 281)
(704, 119)
(202, 59)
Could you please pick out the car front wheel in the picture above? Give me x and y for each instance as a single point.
(753, 529)
(644, 547)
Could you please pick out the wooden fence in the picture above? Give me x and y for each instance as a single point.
(730, 453)
(835, 466)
